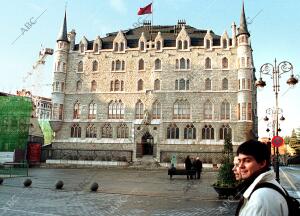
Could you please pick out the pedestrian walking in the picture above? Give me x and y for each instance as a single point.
(254, 162)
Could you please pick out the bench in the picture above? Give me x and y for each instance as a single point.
(174, 171)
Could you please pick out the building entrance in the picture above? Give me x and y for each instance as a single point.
(147, 144)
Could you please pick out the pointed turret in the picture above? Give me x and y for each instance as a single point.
(243, 23)
(63, 35)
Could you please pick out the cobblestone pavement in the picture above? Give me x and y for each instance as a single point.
(121, 192)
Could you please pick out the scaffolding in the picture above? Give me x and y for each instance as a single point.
(15, 113)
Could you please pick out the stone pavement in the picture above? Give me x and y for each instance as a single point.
(122, 192)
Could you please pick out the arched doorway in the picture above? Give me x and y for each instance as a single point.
(147, 144)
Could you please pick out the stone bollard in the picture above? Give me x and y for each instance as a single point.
(27, 182)
(59, 185)
(1, 180)
(94, 187)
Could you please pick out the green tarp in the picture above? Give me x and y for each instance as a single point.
(15, 114)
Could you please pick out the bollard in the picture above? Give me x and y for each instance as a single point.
(59, 185)
(27, 182)
(1, 180)
(94, 187)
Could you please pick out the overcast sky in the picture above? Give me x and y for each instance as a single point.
(273, 25)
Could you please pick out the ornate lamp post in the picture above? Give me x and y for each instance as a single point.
(276, 71)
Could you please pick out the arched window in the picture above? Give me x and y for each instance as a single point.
(157, 84)
(180, 44)
(113, 66)
(106, 131)
(225, 84)
(118, 65)
(91, 131)
(185, 44)
(188, 64)
(139, 110)
(80, 67)
(156, 110)
(182, 63)
(249, 113)
(177, 64)
(249, 63)
(76, 111)
(172, 131)
(208, 132)
(181, 84)
(123, 65)
(92, 110)
(157, 64)
(141, 64)
(96, 47)
(140, 85)
(225, 130)
(225, 110)
(181, 109)
(95, 65)
(122, 131)
(207, 84)
(224, 43)
(116, 110)
(93, 86)
(224, 63)
(158, 45)
(122, 85)
(75, 131)
(207, 63)
(117, 85)
(190, 132)
(142, 46)
(208, 110)
(78, 85)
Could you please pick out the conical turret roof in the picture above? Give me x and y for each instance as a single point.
(63, 35)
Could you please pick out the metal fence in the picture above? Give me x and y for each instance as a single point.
(13, 170)
(205, 157)
(90, 155)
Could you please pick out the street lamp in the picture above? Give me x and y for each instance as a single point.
(276, 71)
(271, 115)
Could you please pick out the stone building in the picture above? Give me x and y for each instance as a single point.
(154, 90)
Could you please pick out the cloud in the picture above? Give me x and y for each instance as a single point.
(119, 6)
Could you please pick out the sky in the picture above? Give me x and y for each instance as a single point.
(273, 25)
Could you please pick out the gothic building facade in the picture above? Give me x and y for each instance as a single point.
(154, 89)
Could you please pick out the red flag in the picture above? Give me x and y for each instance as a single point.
(145, 10)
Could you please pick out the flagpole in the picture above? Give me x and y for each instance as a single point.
(152, 24)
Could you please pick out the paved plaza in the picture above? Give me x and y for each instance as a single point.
(121, 192)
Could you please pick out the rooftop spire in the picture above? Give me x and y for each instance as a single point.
(62, 35)
(243, 23)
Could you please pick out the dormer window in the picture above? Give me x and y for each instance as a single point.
(225, 45)
(121, 47)
(142, 45)
(185, 45)
(116, 47)
(96, 47)
(158, 45)
(208, 45)
(180, 45)
(81, 48)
